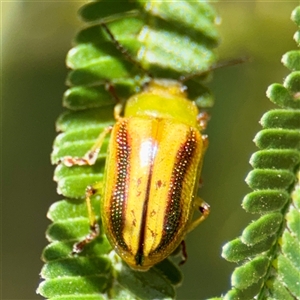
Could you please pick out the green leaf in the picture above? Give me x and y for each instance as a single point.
(106, 9)
(79, 297)
(238, 251)
(296, 16)
(281, 96)
(250, 272)
(245, 294)
(265, 201)
(293, 221)
(269, 247)
(143, 284)
(73, 285)
(187, 15)
(289, 275)
(161, 38)
(278, 139)
(262, 228)
(281, 118)
(290, 248)
(291, 60)
(278, 290)
(275, 159)
(267, 179)
(292, 84)
(80, 97)
(82, 266)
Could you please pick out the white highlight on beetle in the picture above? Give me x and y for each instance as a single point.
(147, 152)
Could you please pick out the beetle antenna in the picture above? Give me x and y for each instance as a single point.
(111, 89)
(123, 50)
(218, 65)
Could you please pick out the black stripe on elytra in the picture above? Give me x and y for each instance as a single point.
(119, 196)
(139, 257)
(173, 212)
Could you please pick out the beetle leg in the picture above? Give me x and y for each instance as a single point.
(204, 209)
(205, 142)
(119, 106)
(118, 110)
(203, 118)
(183, 253)
(94, 227)
(91, 156)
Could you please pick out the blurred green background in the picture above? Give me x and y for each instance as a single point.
(35, 39)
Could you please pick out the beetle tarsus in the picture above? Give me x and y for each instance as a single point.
(204, 209)
(70, 161)
(202, 119)
(90, 191)
(78, 247)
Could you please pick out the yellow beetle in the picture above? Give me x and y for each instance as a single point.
(152, 171)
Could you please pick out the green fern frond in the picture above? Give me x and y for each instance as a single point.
(168, 39)
(268, 250)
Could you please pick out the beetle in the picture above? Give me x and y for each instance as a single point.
(153, 167)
